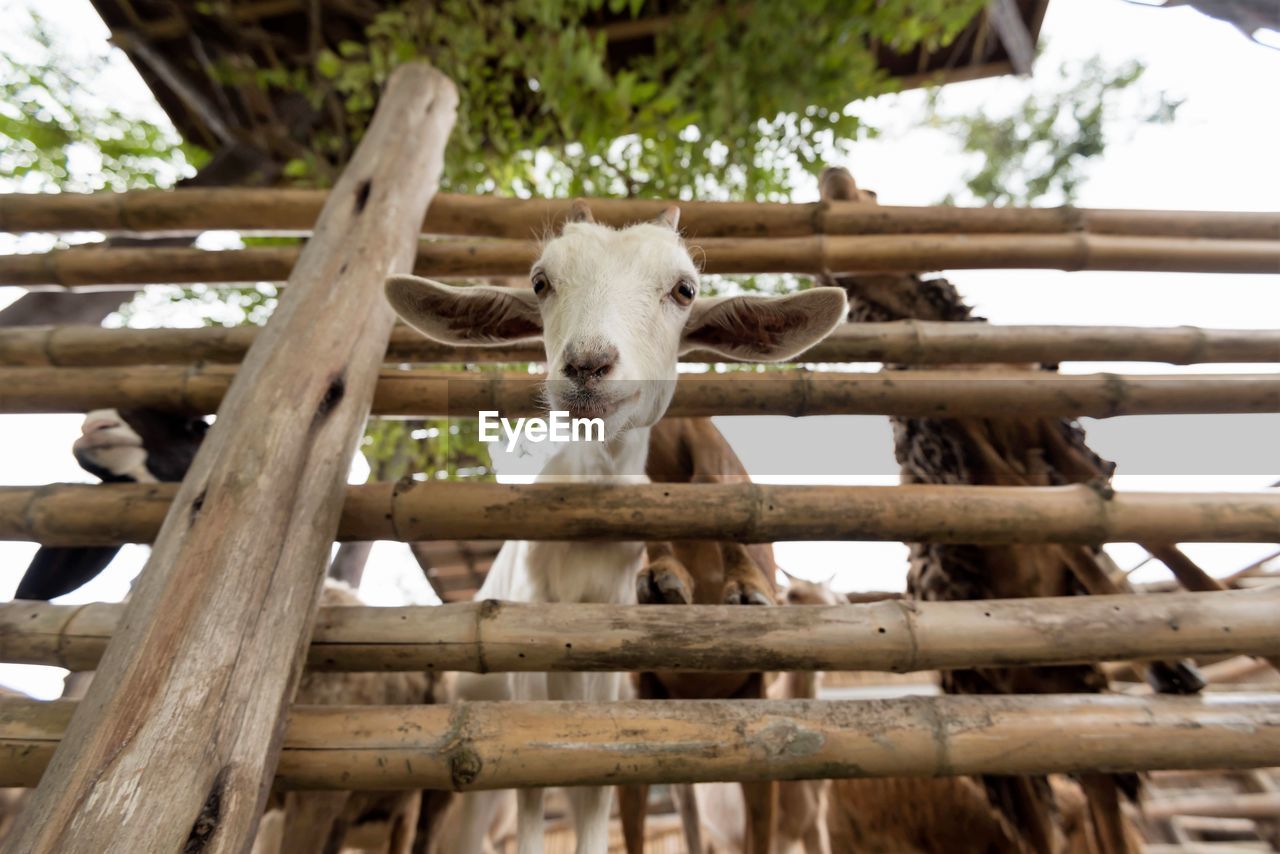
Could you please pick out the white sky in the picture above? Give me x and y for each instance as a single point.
(1219, 154)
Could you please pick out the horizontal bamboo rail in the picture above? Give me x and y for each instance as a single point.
(471, 746)
(95, 268)
(894, 636)
(191, 211)
(1256, 805)
(901, 342)
(938, 394)
(77, 514)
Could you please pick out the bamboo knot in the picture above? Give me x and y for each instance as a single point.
(1073, 219)
(1115, 393)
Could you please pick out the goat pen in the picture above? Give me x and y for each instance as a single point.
(190, 717)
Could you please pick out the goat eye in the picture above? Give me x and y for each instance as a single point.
(541, 284)
(684, 292)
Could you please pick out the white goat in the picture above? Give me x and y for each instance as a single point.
(614, 308)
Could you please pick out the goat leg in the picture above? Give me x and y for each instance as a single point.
(744, 581)
(633, 803)
(664, 580)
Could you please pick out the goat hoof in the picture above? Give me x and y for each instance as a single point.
(662, 585)
(737, 593)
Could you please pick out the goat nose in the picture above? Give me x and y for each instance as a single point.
(586, 366)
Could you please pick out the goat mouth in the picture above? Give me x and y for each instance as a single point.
(595, 407)
(94, 442)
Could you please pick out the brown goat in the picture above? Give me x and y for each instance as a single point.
(691, 450)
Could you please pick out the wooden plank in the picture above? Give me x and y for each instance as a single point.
(891, 636)
(920, 394)
(905, 341)
(176, 741)
(1006, 20)
(472, 746)
(77, 514)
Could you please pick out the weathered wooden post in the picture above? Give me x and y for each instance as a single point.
(176, 743)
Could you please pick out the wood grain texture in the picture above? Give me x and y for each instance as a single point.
(911, 342)
(470, 746)
(918, 394)
(893, 636)
(78, 514)
(295, 210)
(183, 721)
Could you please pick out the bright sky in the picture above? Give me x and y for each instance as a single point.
(1219, 154)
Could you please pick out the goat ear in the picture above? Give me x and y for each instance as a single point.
(476, 315)
(764, 329)
(670, 217)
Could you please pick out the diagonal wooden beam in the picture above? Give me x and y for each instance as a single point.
(175, 745)
(1007, 21)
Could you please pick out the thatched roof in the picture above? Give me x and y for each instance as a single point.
(184, 48)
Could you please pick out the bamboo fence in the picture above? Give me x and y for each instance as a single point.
(190, 211)
(469, 746)
(159, 742)
(98, 268)
(937, 394)
(892, 636)
(899, 342)
(183, 719)
(76, 514)
(1256, 805)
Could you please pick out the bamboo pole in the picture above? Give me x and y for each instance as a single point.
(97, 269)
(1256, 805)
(190, 211)
(937, 394)
(891, 636)
(471, 746)
(899, 342)
(175, 744)
(77, 514)
(1191, 576)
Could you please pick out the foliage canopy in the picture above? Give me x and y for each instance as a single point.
(729, 101)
